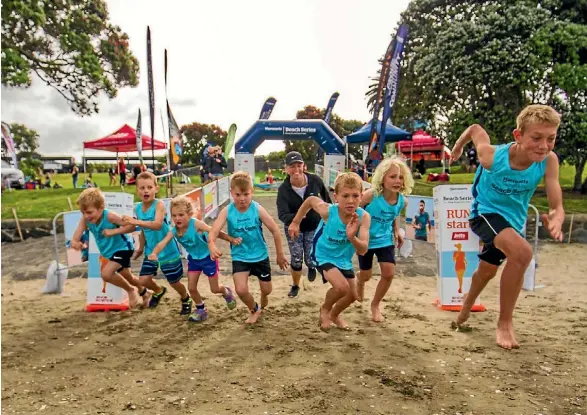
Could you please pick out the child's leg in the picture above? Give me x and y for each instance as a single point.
(484, 273)
(201, 312)
(343, 304)
(134, 281)
(387, 273)
(340, 288)
(193, 278)
(226, 292)
(266, 288)
(365, 273)
(241, 285)
(109, 274)
(148, 271)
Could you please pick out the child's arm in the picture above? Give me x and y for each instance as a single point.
(556, 215)
(117, 220)
(76, 242)
(160, 246)
(147, 224)
(217, 226)
(141, 248)
(361, 242)
(313, 202)
(481, 141)
(398, 235)
(274, 229)
(367, 197)
(204, 227)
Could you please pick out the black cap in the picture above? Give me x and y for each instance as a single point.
(293, 157)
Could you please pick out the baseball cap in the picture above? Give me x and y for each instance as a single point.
(293, 157)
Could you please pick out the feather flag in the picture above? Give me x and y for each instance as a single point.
(267, 108)
(151, 95)
(229, 140)
(140, 138)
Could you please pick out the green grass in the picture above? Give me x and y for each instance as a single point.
(46, 203)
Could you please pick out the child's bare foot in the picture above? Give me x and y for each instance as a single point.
(340, 323)
(360, 294)
(254, 317)
(133, 298)
(465, 311)
(376, 314)
(504, 336)
(147, 299)
(325, 321)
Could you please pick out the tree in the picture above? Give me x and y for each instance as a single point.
(26, 141)
(479, 62)
(276, 156)
(71, 46)
(196, 137)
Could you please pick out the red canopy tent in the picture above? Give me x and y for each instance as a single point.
(123, 140)
(426, 145)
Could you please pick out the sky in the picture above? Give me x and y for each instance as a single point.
(225, 58)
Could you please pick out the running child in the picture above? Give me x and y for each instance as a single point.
(192, 234)
(110, 231)
(384, 202)
(344, 229)
(152, 219)
(245, 219)
(504, 184)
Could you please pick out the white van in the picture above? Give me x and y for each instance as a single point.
(12, 177)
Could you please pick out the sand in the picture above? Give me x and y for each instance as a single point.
(59, 359)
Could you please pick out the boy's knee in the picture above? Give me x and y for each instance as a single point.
(266, 290)
(364, 276)
(241, 291)
(387, 277)
(523, 255)
(107, 276)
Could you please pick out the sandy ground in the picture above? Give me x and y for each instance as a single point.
(59, 359)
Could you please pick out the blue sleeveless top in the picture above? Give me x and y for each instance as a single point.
(382, 216)
(194, 242)
(248, 226)
(108, 245)
(505, 191)
(152, 237)
(330, 242)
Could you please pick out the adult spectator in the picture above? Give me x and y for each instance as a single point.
(74, 174)
(215, 163)
(297, 187)
(122, 170)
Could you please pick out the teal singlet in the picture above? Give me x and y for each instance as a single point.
(108, 245)
(152, 237)
(248, 226)
(382, 216)
(194, 242)
(505, 191)
(330, 244)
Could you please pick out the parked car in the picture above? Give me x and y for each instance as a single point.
(12, 176)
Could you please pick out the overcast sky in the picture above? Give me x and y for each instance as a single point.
(225, 58)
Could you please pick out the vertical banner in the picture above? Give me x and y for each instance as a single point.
(196, 198)
(210, 198)
(223, 190)
(175, 140)
(267, 108)
(327, 117)
(151, 95)
(457, 246)
(245, 162)
(140, 138)
(9, 141)
(392, 83)
(229, 140)
(101, 295)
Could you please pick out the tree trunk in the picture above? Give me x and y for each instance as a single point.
(578, 176)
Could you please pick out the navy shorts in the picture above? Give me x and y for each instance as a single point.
(327, 266)
(206, 265)
(260, 269)
(486, 227)
(385, 254)
(173, 270)
(122, 258)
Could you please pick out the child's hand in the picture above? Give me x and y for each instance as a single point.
(77, 245)
(293, 230)
(400, 241)
(138, 253)
(108, 232)
(236, 241)
(129, 220)
(353, 226)
(153, 257)
(282, 262)
(215, 253)
(554, 227)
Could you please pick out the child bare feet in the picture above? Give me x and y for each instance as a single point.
(504, 336)
(133, 298)
(376, 314)
(147, 299)
(464, 313)
(254, 317)
(340, 323)
(325, 321)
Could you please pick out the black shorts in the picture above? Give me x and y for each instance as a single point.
(385, 254)
(122, 258)
(347, 273)
(486, 227)
(260, 269)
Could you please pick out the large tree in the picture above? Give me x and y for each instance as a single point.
(70, 45)
(196, 137)
(480, 62)
(26, 141)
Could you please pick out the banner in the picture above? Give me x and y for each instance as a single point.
(196, 197)
(457, 246)
(175, 140)
(210, 199)
(140, 138)
(229, 140)
(223, 190)
(392, 83)
(151, 95)
(267, 108)
(420, 219)
(9, 141)
(330, 107)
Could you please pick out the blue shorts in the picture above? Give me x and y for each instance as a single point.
(206, 265)
(172, 270)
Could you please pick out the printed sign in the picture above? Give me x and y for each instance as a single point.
(420, 219)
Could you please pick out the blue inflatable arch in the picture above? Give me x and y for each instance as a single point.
(316, 130)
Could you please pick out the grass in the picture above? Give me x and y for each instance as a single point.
(46, 203)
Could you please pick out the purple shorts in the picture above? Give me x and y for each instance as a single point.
(206, 265)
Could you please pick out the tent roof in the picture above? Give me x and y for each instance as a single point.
(421, 141)
(123, 140)
(392, 134)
